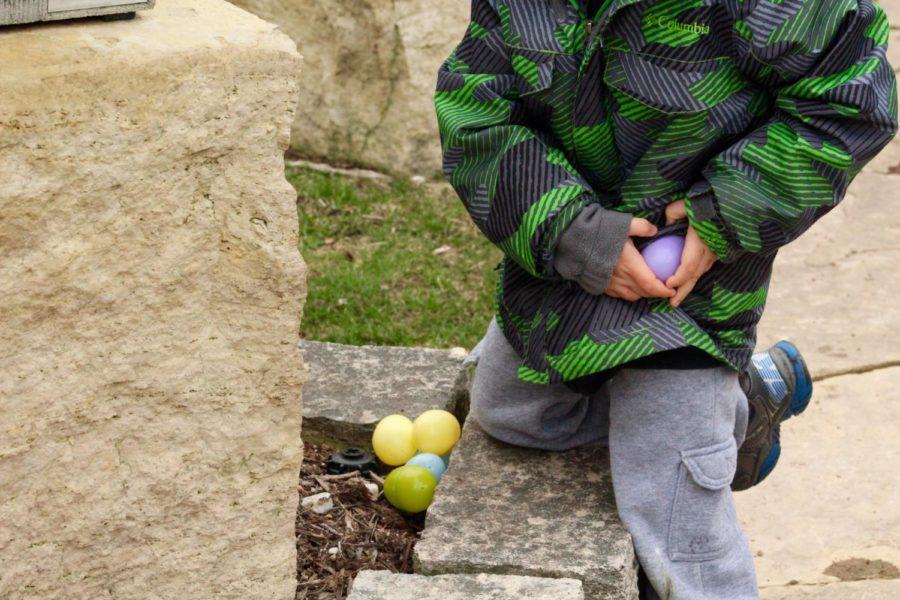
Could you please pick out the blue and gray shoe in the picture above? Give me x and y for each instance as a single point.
(778, 386)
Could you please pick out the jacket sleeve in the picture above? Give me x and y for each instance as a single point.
(519, 189)
(835, 109)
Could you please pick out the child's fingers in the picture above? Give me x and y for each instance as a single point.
(648, 283)
(641, 228)
(675, 212)
(681, 276)
(683, 292)
(639, 276)
(618, 289)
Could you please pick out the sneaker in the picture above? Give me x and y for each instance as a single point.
(778, 386)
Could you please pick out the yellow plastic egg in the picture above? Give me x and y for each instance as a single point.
(436, 431)
(393, 440)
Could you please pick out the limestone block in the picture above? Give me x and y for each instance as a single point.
(379, 585)
(351, 388)
(508, 510)
(150, 297)
(369, 73)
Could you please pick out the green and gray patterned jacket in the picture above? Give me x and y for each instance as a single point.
(758, 113)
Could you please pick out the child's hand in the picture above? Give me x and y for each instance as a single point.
(632, 279)
(696, 258)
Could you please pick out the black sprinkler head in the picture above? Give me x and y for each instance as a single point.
(351, 459)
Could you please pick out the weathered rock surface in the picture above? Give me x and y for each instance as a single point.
(509, 510)
(379, 585)
(150, 296)
(369, 75)
(351, 388)
(838, 470)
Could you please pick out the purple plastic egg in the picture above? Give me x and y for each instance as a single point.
(664, 255)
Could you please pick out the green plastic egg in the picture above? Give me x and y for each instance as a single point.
(410, 488)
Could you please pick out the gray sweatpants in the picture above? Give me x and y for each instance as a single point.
(673, 437)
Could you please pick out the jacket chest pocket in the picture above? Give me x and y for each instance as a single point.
(668, 87)
(676, 112)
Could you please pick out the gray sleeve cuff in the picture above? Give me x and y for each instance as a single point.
(590, 247)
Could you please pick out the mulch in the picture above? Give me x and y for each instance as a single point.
(358, 533)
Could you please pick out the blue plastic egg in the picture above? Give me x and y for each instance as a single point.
(432, 462)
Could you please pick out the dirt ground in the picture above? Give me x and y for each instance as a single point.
(358, 533)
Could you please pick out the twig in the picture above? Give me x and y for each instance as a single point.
(327, 527)
(346, 475)
(323, 168)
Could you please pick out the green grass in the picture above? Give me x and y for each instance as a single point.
(373, 274)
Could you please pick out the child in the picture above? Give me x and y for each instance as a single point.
(576, 131)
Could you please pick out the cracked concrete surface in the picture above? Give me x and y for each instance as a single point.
(833, 496)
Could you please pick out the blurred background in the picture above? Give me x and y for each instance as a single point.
(393, 257)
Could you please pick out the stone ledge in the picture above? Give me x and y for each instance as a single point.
(508, 510)
(351, 388)
(380, 585)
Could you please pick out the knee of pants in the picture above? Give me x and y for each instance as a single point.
(547, 420)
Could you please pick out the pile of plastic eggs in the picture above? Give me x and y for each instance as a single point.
(420, 451)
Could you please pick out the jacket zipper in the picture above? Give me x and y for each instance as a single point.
(590, 32)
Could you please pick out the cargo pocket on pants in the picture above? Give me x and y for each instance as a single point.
(703, 521)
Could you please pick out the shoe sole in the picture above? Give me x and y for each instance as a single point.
(803, 384)
(799, 402)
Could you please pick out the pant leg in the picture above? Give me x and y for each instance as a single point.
(549, 417)
(673, 443)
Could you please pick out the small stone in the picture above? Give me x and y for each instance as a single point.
(372, 488)
(320, 503)
(417, 180)
(458, 352)
(333, 551)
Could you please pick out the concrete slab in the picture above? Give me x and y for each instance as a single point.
(379, 585)
(350, 388)
(834, 495)
(504, 509)
(856, 590)
(833, 291)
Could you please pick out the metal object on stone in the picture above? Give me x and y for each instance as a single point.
(351, 459)
(17, 12)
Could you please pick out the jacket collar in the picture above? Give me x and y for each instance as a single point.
(602, 20)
